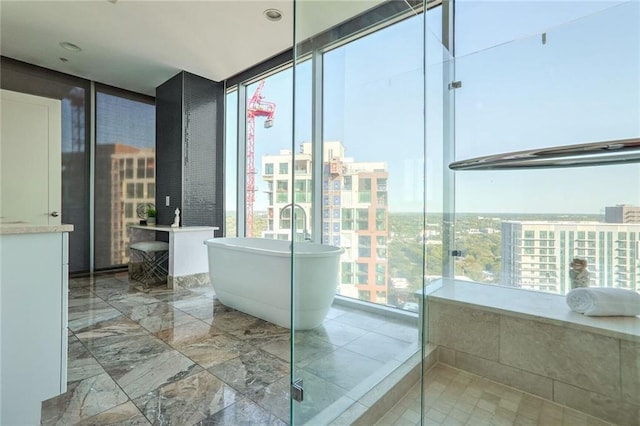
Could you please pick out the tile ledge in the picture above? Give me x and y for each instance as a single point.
(532, 305)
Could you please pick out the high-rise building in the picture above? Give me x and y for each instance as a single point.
(537, 255)
(622, 213)
(354, 213)
(125, 178)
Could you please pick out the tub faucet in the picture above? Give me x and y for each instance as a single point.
(305, 234)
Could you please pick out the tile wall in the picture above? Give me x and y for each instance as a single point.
(593, 373)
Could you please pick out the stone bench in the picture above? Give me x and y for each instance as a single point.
(533, 342)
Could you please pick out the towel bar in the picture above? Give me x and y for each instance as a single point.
(580, 155)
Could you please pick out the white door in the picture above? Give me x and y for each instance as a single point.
(30, 156)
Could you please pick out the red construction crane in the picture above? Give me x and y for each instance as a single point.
(256, 107)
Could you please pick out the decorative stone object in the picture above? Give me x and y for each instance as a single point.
(579, 275)
(176, 220)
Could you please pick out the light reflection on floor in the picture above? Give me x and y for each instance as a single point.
(182, 358)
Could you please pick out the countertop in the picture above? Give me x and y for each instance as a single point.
(28, 228)
(168, 228)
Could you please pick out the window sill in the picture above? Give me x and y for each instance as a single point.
(526, 304)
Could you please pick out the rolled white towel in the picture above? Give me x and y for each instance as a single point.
(601, 301)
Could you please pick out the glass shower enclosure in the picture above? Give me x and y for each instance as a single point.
(460, 155)
(358, 152)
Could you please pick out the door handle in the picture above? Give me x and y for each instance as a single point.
(55, 214)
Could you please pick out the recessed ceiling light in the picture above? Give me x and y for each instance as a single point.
(63, 59)
(70, 46)
(112, 1)
(273, 14)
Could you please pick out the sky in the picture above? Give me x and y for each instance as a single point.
(581, 85)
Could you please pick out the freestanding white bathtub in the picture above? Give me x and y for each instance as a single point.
(253, 275)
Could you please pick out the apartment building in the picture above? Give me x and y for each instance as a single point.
(622, 213)
(536, 255)
(355, 212)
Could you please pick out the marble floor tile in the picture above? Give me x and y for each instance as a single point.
(243, 412)
(83, 399)
(365, 320)
(92, 280)
(336, 310)
(80, 363)
(275, 398)
(337, 333)
(131, 304)
(148, 373)
(199, 306)
(378, 346)
(204, 291)
(278, 347)
(343, 368)
(214, 349)
(172, 295)
(234, 321)
(138, 311)
(251, 372)
(186, 334)
(400, 330)
(114, 291)
(187, 401)
(309, 347)
(182, 357)
(257, 333)
(81, 306)
(166, 321)
(81, 293)
(79, 283)
(104, 333)
(80, 321)
(119, 355)
(126, 414)
(318, 395)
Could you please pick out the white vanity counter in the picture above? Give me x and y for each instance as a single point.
(188, 260)
(34, 269)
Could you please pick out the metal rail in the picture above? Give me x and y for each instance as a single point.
(580, 155)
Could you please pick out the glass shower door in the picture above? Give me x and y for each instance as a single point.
(358, 152)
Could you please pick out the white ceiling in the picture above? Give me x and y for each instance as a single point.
(138, 45)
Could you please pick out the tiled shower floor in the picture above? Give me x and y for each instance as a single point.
(182, 358)
(454, 397)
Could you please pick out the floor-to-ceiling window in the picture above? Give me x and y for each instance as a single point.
(370, 200)
(546, 80)
(268, 136)
(269, 166)
(231, 163)
(124, 159)
(372, 166)
(124, 171)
